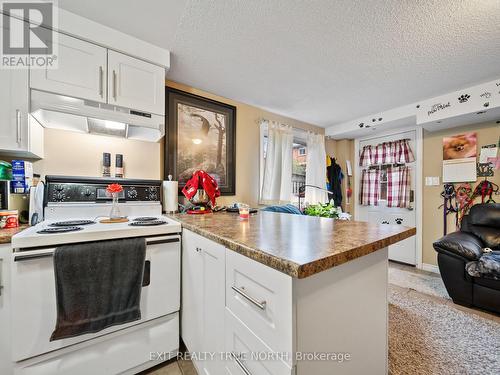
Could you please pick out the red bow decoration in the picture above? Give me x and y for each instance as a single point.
(207, 183)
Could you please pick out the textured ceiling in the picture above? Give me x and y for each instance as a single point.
(322, 62)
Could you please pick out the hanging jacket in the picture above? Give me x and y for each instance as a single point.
(335, 176)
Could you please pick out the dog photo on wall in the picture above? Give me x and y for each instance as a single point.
(461, 146)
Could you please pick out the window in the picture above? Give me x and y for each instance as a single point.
(298, 167)
(299, 159)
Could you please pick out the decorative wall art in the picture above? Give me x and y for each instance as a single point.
(201, 136)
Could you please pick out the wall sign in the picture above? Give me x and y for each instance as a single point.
(438, 107)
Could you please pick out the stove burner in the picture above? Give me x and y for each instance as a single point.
(59, 230)
(146, 218)
(71, 223)
(147, 223)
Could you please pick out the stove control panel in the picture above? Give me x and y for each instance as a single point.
(89, 190)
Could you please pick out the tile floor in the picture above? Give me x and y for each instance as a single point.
(182, 367)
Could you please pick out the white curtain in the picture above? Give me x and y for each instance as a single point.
(277, 179)
(316, 169)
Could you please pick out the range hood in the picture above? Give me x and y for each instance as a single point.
(85, 116)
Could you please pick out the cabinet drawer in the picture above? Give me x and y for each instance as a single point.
(254, 356)
(261, 298)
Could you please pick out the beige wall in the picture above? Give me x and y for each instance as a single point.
(487, 133)
(77, 154)
(247, 144)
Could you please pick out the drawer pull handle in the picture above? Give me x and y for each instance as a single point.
(240, 364)
(242, 292)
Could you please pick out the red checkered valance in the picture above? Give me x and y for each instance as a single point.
(395, 152)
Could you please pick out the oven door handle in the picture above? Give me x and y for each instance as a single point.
(20, 258)
(149, 241)
(159, 241)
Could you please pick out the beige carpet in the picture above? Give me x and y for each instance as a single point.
(430, 335)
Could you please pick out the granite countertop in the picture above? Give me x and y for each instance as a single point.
(7, 234)
(299, 246)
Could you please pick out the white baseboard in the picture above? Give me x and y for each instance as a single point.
(430, 267)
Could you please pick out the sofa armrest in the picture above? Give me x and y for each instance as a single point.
(463, 244)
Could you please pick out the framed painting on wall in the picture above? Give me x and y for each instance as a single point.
(201, 134)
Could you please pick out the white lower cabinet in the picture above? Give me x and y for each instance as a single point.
(202, 319)
(256, 320)
(5, 308)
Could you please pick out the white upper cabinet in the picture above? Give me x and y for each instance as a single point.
(20, 135)
(13, 110)
(81, 71)
(135, 84)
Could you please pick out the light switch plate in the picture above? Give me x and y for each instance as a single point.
(432, 181)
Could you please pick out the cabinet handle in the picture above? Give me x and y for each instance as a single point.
(114, 85)
(1, 274)
(18, 126)
(240, 364)
(241, 291)
(101, 81)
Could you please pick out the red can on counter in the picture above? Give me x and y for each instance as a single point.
(9, 219)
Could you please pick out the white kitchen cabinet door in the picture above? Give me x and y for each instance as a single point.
(192, 293)
(5, 309)
(13, 110)
(135, 84)
(213, 304)
(81, 71)
(203, 300)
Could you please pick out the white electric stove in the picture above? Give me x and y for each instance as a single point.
(73, 209)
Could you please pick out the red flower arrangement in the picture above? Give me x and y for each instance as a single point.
(114, 188)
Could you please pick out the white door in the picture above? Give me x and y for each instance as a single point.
(404, 251)
(81, 71)
(135, 84)
(14, 99)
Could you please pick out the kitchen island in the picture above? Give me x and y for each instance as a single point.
(310, 293)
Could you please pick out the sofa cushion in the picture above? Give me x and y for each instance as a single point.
(464, 244)
(485, 214)
(487, 282)
(490, 236)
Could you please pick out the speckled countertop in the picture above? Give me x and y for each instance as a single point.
(7, 234)
(299, 246)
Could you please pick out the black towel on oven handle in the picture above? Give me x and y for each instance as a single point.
(98, 285)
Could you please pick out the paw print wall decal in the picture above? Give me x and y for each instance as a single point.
(463, 98)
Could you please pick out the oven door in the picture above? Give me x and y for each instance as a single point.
(34, 300)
